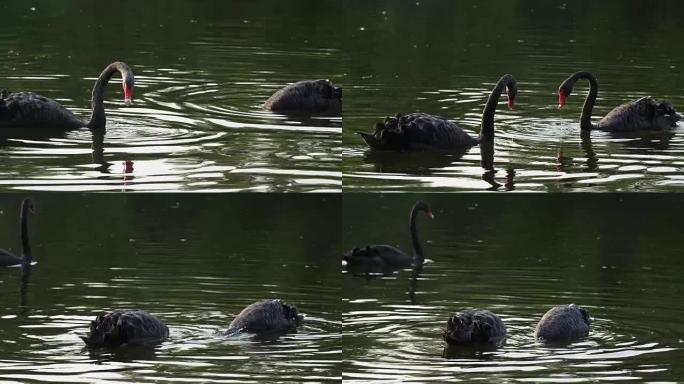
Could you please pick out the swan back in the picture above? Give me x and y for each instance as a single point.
(30, 110)
(418, 131)
(643, 114)
(265, 316)
(563, 323)
(307, 96)
(475, 326)
(132, 327)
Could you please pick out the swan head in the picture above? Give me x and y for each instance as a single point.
(128, 82)
(562, 96)
(28, 205)
(425, 207)
(512, 91)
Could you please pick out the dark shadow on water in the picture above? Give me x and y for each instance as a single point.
(424, 163)
(489, 174)
(412, 162)
(23, 290)
(124, 353)
(480, 352)
(415, 275)
(98, 151)
(316, 119)
(7, 134)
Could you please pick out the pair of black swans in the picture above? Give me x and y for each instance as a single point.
(475, 327)
(30, 110)
(136, 327)
(421, 131)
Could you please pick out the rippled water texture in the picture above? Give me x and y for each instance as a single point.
(184, 259)
(402, 65)
(202, 72)
(518, 258)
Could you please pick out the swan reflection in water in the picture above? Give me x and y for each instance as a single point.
(632, 142)
(428, 163)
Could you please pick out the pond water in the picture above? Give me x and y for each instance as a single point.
(202, 72)
(194, 261)
(518, 257)
(444, 57)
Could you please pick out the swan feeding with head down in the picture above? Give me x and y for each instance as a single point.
(30, 110)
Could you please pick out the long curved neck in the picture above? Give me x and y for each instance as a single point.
(585, 118)
(98, 119)
(417, 249)
(25, 246)
(487, 126)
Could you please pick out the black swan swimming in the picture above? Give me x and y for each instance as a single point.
(475, 327)
(421, 131)
(386, 256)
(564, 323)
(307, 96)
(639, 115)
(131, 327)
(29, 110)
(7, 258)
(265, 316)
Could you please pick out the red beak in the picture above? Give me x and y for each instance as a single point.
(430, 215)
(561, 99)
(510, 103)
(128, 94)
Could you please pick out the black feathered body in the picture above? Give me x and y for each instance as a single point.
(418, 131)
(378, 257)
(563, 323)
(7, 259)
(475, 326)
(30, 110)
(645, 114)
(265, 316)
(131, 327)
(307, 96)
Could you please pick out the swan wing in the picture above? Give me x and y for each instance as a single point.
(28, 109)
(419, 131)
(643, 114)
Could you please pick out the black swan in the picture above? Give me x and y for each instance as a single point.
(265, 316)
(386, 256)
(639, 115)
(29, 110)
(475, 327)
(420, 131)
(307, 96)
(131, 327)
(7, 258)
(564, 323)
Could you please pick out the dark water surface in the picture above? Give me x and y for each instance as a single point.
(618, 257)
(194, 261)
(444, 57)
(202, 71)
